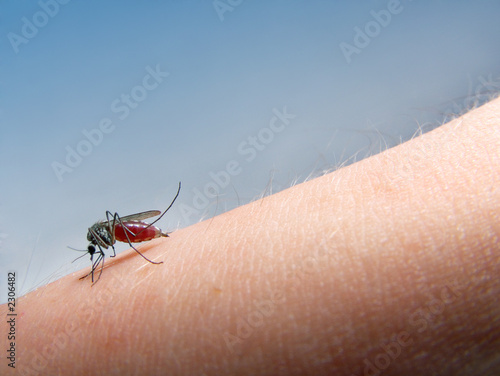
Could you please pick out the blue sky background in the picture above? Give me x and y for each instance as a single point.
(228, 72)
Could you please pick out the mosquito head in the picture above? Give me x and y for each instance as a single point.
(91, 249)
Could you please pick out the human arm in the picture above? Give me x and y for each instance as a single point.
(398, 251)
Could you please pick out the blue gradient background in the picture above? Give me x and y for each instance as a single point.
(432, 60)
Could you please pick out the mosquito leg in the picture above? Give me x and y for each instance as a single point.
(94, 265)
(111, 229)
(85, 276)
(144, 257)
(101, 257)
(111, 225)
(114, 251)
(117, 218)
(162, 214)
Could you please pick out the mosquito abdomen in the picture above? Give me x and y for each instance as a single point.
(139, 232)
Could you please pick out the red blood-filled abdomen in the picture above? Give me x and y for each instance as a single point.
(138, 233)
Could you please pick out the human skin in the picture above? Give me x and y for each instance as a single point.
(389, 266)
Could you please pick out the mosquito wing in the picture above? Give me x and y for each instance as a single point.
(140, 216)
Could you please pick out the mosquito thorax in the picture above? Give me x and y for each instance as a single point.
(102, 232)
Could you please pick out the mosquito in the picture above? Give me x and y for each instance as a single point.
(129, 229)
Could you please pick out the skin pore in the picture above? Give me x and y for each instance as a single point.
(389, 266)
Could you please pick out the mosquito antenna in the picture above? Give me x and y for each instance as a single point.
(77, 258)
(79, 250)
